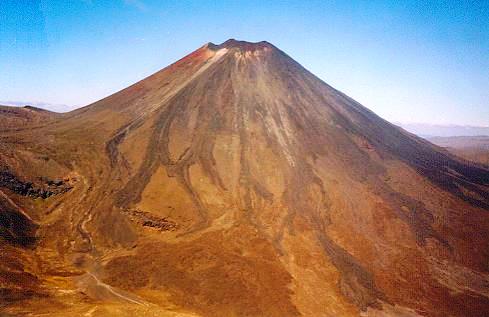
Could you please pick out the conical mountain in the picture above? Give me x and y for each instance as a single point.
(236, 183)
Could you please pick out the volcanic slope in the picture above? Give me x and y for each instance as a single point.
(236, 183)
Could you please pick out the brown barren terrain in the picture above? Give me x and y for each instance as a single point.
(236, 183)
(473, 148)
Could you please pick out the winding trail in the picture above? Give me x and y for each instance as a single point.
(116, 293)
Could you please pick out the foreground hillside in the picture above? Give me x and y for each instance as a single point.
(236, 183)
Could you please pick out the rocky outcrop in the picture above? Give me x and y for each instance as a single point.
(43, 189)
(146, 219)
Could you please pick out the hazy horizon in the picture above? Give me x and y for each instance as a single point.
(417, 62)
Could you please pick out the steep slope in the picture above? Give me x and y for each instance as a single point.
(236, 183)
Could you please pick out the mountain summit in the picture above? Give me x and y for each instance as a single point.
(242, 45)
(236, 183)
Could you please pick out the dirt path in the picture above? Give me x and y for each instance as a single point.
(114, 292)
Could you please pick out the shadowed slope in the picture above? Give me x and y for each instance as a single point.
(235, 182)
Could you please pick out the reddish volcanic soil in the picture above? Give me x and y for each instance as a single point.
(236, 183)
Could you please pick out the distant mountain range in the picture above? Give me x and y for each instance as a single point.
(432, 130)
(474, 148)
(460, 142)
(40, 104)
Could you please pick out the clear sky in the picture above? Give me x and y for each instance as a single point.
(408, 61)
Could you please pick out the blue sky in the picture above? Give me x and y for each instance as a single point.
(409, 61)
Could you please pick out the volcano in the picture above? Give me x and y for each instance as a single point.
(236, 183)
